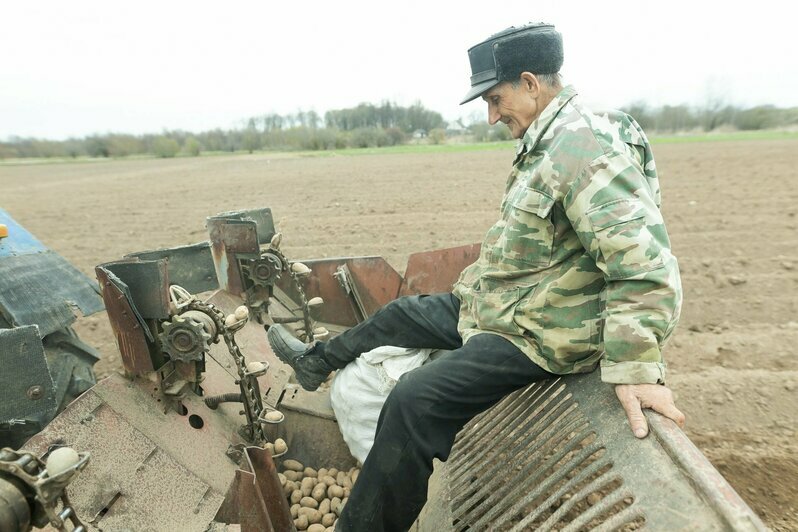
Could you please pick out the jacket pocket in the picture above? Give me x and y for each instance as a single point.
(626, 246)
(528, 235)
(494, 305)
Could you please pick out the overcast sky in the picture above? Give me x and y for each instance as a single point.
(72, 68)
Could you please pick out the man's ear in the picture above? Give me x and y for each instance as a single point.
(530, 83)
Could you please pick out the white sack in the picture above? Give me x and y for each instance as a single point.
(360, 389)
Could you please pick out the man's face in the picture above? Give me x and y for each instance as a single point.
(513, 105)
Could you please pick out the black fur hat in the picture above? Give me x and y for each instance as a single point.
(535, 47)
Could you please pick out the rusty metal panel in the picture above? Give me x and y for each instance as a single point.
(240, 237)
(269, 489)
(131, 480)
(250, 509)
(559, 455)
(197, 438)
(188, 266)
(230, 238)
(377, 283)
(263, 219)
(129, 329)
(28, 388)
(434, 272)
(147, 284)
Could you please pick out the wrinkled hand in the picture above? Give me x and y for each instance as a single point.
(636, 397)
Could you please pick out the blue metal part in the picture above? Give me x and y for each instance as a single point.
(38, 286)
(19, 240)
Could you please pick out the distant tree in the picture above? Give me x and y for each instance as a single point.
(123, 145)
(761, 117)
(639, 110)
(192, 146)
(96, 146)
(675, 118)
(8, 152)
(437, 136)
(165, 147)
(251, 140)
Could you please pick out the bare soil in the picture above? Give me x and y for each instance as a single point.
(730, 207)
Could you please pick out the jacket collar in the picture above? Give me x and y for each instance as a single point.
(536, 130)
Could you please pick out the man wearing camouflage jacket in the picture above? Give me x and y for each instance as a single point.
(576, 272)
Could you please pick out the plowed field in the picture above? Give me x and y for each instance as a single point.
(731, 209)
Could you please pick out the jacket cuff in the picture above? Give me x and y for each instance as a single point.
(633, 372)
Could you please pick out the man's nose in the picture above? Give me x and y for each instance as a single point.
(493, 115)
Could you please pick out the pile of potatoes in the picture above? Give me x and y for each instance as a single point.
(316, 497)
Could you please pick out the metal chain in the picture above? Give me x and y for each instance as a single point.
(250, 396)
(303, 302)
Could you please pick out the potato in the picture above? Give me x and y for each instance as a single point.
(324, 506)
(347, 482)
(335, 491)
(292, 475)
(314, 516)
(280, 446)
(319, 491)
(328, 519)
(282, 478)
(309, 502)
(308, 482)
(296, 496)
(355, 474)
(274, 416)
(328, 480)
(316, 528)
(301, 522)
(332, 472)
(295, 510)
(339, 479)
(322, 472)
(310, 472)
(293, 465)
(347, 491)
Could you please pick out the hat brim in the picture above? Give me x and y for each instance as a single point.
(477, 90)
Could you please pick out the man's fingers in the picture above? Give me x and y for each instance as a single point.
(670, 411)
(634, 412)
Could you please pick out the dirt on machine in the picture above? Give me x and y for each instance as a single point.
(207, 430)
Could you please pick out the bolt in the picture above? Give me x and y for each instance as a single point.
(35, 392)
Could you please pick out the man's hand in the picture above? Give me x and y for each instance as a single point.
(636, 397)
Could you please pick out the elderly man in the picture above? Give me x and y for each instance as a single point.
(576, 272)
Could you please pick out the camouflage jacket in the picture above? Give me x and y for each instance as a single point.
(578, 269)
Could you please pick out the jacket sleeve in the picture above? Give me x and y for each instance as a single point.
(615, 213)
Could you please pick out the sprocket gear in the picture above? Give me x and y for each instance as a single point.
(265, 270)
(184, 339)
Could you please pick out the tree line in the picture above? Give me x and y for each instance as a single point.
(372, 125)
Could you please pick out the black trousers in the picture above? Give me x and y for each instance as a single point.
(428, 406)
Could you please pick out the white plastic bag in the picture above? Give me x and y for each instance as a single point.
(359, 390)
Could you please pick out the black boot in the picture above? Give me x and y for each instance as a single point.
(310, 367)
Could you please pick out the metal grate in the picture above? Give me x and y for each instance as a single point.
(559, 455)
(533, 462)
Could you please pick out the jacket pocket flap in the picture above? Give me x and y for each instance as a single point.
(532, 201)
(614, 213)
